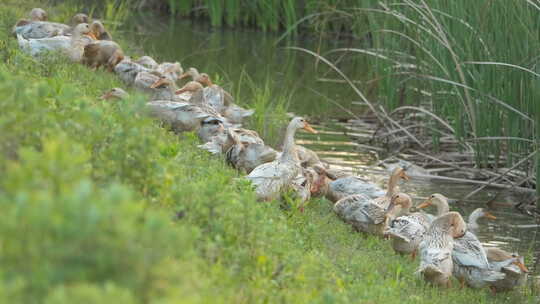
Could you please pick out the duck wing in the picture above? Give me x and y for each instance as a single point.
(468, 251)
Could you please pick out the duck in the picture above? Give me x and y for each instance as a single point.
(38, 14)
(72, 46)
(115, 93)
(471, 265)
(308, 157)
(147, 82)
(38, 27)
(148, 62)
(164, 88)
(127, 70)
(179, 116)
(171, 70)
(365, 214)
(221, 141)
(320, 184)
(438, 200)
(210, 127)
(512, 265)
(236, 115)
(99, 31)
(80, 38)
(102, 53)
(217, 97)
(246, 155)
(188, 90)
(348, 185)
(307, 184)
(271, 178)
(406, 231)
(436, 248)
(472, 223)
(78, 19)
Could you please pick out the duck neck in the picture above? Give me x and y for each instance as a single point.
(473, 218)
(289, 149)
(392, 183)
(442, 208)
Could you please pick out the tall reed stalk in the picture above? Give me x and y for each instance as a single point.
(473, 64)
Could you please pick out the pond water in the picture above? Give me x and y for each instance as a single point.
(233, 57)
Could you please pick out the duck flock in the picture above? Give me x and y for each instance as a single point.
(445, 243)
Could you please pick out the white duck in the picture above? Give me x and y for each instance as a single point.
(72, 46)
(436, 248)
(271, 178)
(38, 27)
(472, 224)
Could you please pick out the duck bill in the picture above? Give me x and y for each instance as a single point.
(106, 96)
(490, 216)
(308, 128)
(404, 176)
(424, 204)
(458, 235)
(91, 35)
(182, 90)
(521, 266)
(184, 75)
(158, 83)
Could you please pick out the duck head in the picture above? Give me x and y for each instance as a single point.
(191, 87)
(161, 82)
(83, 29)
(301, 123)
(204, 79)
(97, 28)
(114, 93)
(79, 18)
(191, 72)
(38, 14)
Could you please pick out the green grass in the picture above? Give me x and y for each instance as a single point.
(100, 205)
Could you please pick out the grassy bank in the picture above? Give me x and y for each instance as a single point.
(100, 205)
